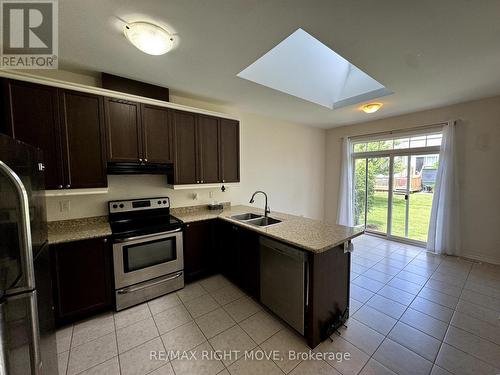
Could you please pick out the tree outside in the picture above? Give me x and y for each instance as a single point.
(364, 185)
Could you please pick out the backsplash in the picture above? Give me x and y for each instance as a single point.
(131, 187)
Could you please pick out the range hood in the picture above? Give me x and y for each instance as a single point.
(139, 168)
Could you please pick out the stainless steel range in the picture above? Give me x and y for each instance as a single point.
(147, 250)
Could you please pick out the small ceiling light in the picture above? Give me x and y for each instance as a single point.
(371, 107)
(149, 38)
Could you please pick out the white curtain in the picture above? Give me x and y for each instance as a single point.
(444, 230)
(345, 211)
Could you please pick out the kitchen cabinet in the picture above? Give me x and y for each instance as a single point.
(81, 271)
(123, 130)
(249, 262)
(206, 149)
(137, 132)
(156, 134)
(227, 250)
(31, 113)
(327, 293)
(185, 149)
(84, 149)
(199, 258)
(79, 132)
(239, 259)
(229, 150)
(66, 125)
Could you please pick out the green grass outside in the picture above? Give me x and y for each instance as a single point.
(419, 214)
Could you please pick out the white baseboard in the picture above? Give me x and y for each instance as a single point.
(481, 258)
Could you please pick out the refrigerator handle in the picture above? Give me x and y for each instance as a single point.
(3, 342)
(36, 357)
(24, 228)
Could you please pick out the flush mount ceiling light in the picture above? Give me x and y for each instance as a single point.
(149, 38)
(371, 107)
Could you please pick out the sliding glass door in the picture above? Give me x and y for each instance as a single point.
(399, 197)
(372, 193)
(393, 189)
(423, 169)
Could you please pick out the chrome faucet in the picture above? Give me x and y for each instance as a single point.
(266, 207)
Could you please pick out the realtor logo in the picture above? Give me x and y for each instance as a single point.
(29, 34)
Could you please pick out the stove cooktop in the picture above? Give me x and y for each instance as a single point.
(141, 216)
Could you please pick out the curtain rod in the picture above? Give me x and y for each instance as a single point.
(398, 131)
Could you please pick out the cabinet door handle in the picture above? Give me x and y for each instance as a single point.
(105, 240)
(223, 180)
(140, 159)
(145, 159)
(201, 181)
(68, 186)
(60, 186)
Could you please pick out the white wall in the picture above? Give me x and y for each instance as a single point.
(478, 136)
(286, 160)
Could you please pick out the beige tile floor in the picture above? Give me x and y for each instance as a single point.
(411, 313)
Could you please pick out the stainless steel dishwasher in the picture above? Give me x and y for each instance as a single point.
(283, 280)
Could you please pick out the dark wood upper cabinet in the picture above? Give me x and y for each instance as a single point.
(185, 149)
(123, 130)
(229, 150)
(81, 272)
(208, 149)
(32, 117)
(82, 124)
(156, 134)
(79, 132)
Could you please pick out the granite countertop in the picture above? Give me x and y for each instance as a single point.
(78, 229)
(308, 234)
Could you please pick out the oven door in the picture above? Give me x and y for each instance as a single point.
(142, 258)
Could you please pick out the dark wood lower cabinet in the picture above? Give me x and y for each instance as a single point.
(239, 257)
(249, 262)
(227, 253)
(199, 260)
(81, 273)
(329, 275)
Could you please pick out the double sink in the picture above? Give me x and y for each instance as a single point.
(254, 219)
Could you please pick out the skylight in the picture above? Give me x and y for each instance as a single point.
(302, 66)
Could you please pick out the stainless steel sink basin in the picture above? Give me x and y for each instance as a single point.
(263, 221)
(245, 217)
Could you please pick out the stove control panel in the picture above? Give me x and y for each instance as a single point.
(138, 204)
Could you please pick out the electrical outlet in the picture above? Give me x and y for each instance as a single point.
(64, 205)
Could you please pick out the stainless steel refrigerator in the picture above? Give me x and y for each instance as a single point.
(27, 333)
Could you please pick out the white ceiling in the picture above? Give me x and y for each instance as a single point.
(429, 53)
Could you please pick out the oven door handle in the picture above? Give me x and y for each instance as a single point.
(146, 236)
(137, 288)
